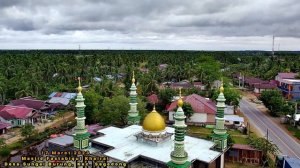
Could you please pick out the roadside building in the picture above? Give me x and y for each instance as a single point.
(289, 162)
(258, 88)
(288, 85)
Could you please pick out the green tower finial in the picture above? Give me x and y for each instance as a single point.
(220, 135)
(179, 157)
(133, 114)
(81, 137)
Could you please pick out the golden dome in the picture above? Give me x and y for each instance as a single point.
(154, 122)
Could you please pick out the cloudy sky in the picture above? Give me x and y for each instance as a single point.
(150, 24)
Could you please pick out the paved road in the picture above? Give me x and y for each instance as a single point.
(286, 144)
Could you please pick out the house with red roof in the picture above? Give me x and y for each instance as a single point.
(204, 110)
(16, 115)
(258, 88)
(30, 102)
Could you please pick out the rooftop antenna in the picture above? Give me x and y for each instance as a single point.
(79, 47)
(273, 46)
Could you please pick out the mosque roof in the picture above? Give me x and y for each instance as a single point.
(126, 148)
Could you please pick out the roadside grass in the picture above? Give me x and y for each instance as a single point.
(294, 131)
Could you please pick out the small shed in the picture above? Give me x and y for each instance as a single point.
(234, 120)
(244, 154)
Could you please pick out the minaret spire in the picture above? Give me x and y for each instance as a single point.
(133, 114)
(220, 134)
(179, 157)
(81, 137)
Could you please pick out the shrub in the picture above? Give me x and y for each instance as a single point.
(5, 151)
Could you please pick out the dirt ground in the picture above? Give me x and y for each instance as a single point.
(16, 134)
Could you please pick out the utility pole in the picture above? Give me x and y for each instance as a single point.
(273, 46)
(296, 108)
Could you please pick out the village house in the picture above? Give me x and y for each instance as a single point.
(204, 110)
(16, 115)
(30, 102)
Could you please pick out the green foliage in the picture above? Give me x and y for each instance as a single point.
(276, 104)
(165, 96)
(5, 151)
(92, 101)
(208, 70)
(230, 141)
(232, 96)
(188, 110)
(2, 142)
(263, 144)
(115, 110)
(16, 145)
(27, 130)
(38, 73)
(295, 131)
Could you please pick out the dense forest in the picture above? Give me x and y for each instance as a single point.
(38, 72)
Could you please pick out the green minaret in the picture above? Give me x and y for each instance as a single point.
(133, 114)
(220, 135)
(179, 157)
(81, 137)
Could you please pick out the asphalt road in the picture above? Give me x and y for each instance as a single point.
(286, 144)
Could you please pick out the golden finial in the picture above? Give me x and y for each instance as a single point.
(222, 88)
(133, 80)
(154, 108)
(180, 101)
(79, 85)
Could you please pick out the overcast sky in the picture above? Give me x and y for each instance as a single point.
(150, 24)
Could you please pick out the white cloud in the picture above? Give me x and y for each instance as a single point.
(150, 24)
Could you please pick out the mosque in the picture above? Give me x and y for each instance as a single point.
(152, 144)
